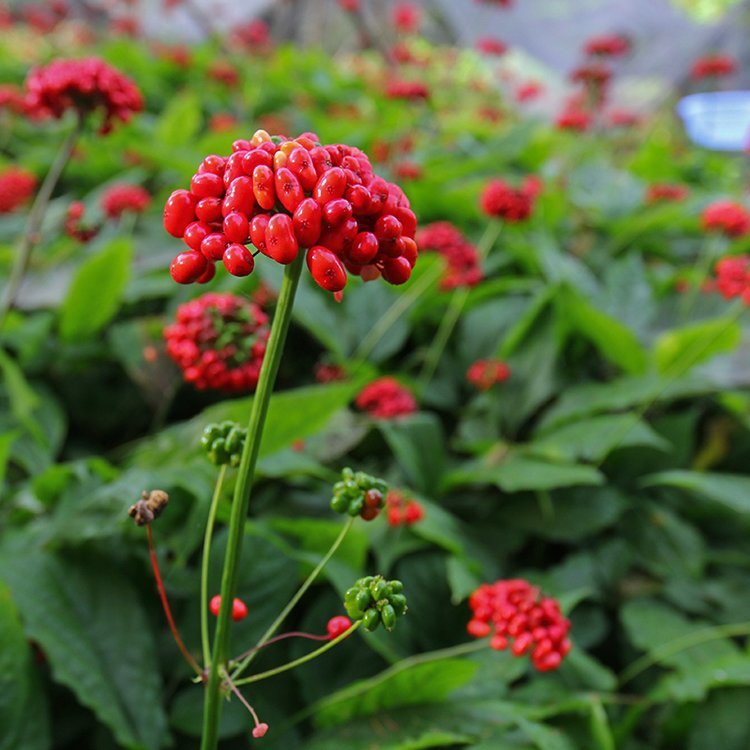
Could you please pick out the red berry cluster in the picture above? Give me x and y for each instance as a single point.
(727, 217)
(255, 35)
(607, 45)
(397, 88)
(406, 17)
(219, 340)
(118, 199)
(662, 191)
(286, 195)
(514, 609)
(402, 510)
(529, 91)
(490, 45)
(591, 75)
(328, 373)
(75, 226)
(386, 398)
(484, 373)
(733, 277)
(12, 98)
(501, 3)
(713, 66)
(462, 259)
(574, 118)
(511, 204)
(16, 187)
(85, 86)
(622, 118)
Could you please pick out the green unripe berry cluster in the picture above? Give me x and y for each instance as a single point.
(224, 442)
(358, 494)
(374, 601)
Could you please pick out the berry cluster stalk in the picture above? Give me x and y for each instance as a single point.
(271, 360)
(36, 215)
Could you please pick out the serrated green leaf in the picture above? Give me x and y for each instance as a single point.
(24, 720)
(85, 615)
(401, 685)
(95, 293)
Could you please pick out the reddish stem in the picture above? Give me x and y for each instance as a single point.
(165, 605)
(292, 634)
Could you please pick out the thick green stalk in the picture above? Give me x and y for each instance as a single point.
(36, 216)
(208, 536)
(242, 666)
(302, 659)
(241, 499)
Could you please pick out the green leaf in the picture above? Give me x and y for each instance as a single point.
(595, 438)
(666, 636)
(23, 711)
(96, 291)
(180, 120)
(418, 444)
(292, 415)
(615, 341)
(85, 614)
(513, 471)
(722, 721)
(401, 685)
(730, 490)
(679, 350)
(728, 671)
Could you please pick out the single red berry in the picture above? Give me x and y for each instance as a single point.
(236, 227)
(300, 163)
(208, 210)
(364, 248)
(240, 197)
(330, 186)
(338, 625)
(195, 233)
(260, 730)
(208, 274)
(281, 242)
(288, 189)
(258, 226)
(207, 185)
(326, 269)
(263, 187)
(307, 221)
(396, 270)
(188, 267)
(238, 260)
(213, 245)
(337, 211)
(179, 211)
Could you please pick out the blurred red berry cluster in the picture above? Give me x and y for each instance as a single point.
(402, 510)
(386, 398)
(485, 373)
(17, 185)
(733, 277)
(119, 199)
(286, 195)
(726, 217)
(501, 200)
(713, 66)
(513, 610)
(85, 86)
(462, 260)
(662, 191)
(219, 340)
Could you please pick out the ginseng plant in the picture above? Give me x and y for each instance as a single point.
(292, 201)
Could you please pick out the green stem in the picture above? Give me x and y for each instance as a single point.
(36, 216)
(712, 249)
(252, 653)
(302, 660)
(453, 313)
(241, 499)
(204, 566)
(680, 644)
(393, 314)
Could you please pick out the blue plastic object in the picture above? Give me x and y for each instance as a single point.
(719, 120)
